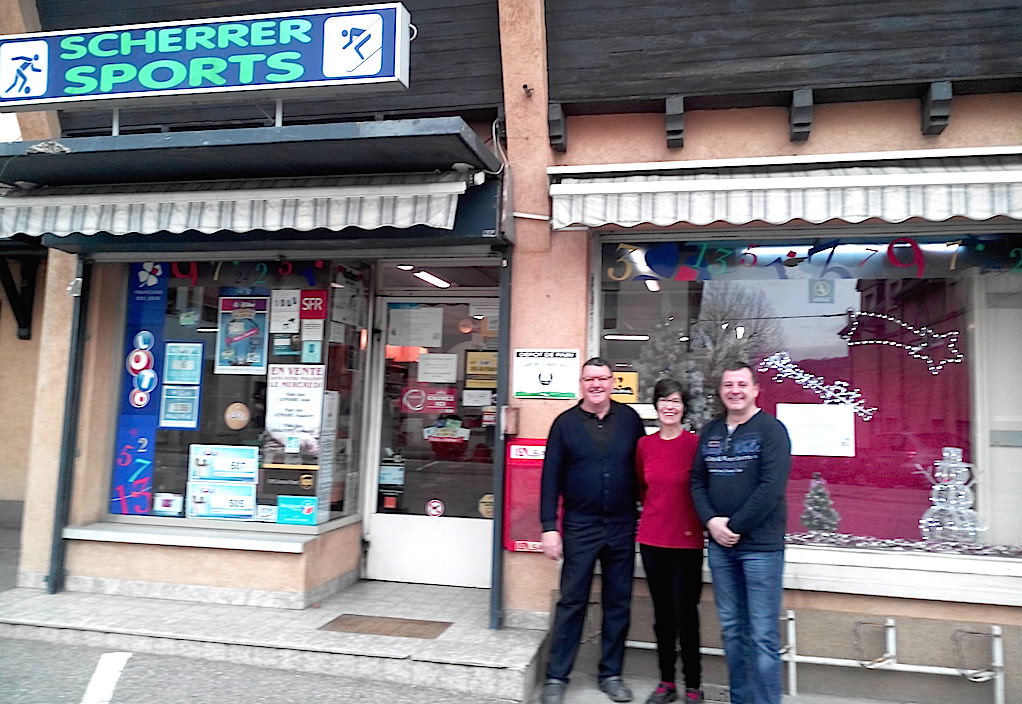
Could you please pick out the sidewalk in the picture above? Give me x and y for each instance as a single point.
(467, 657)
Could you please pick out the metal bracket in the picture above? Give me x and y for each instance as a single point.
(674, 121)
(21, 298)
(937, 107)
(557, 126)
(800, 116)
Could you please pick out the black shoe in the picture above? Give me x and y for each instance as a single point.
(553, 692)
(616, 689)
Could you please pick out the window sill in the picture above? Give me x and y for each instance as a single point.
(940, 577)
(195, 537)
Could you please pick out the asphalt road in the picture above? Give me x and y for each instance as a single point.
(34, 672)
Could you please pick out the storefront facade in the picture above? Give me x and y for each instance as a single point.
(870, 260)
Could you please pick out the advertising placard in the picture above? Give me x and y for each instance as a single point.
(522, 529)
(296, 510)
(294, 412)
(312, 51)
(131, 486)
(183, 363)
(483, 363)
(426, 399)
(233, 463)
(179, 407)
(241, 338)
(234, 501)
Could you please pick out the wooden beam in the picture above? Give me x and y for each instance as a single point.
(557, 126)
(937, 107)
(800, 116)
(674, 121)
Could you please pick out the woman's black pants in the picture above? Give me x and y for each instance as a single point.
(675, 580)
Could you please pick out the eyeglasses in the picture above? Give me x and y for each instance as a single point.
(670, 402)
(591, 379)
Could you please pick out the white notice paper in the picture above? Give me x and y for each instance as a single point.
(819, 429)
(438, 368)
(476, 397)
(416, 327)
(284, 310)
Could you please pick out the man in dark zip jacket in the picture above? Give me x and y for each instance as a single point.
(589, 472)
(738, 484)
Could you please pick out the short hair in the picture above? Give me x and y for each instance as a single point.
(596, 362)
(737, 365)
(666, 387)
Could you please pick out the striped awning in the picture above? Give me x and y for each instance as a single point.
(302, 204)
(891, 190)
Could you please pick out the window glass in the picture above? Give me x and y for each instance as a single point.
(241, 390)
(873, 353)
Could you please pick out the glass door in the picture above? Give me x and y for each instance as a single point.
(432, 520)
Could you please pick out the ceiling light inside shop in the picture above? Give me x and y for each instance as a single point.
(652, 284)
(632, 338)
(405, 267)
(431, 279)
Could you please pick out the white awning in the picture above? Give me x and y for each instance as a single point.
(892, 190)
(303, 204)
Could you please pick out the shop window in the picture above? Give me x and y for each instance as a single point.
(241, 393)
(883, 358)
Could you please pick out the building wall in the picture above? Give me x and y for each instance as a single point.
(18, 362)
(19, 358)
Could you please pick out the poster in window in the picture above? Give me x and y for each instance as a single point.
(179, 407)
(182, 363)
(242, 338)
(234, 501)
(284, 310)
(412, 325)
(294, 413)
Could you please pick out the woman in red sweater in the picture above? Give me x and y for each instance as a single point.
(671, 543)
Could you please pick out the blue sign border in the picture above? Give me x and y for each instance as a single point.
(207, 58)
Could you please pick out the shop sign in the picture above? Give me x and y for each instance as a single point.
(425, 399)
(324, 49)
(546, 373)
(132, 482)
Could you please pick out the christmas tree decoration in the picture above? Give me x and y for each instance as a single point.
(951, 517)
(819, 514)
(835, 392)
(920, 349)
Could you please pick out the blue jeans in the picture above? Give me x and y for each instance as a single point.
(747, 588)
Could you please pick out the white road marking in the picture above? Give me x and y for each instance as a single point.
(104, 679)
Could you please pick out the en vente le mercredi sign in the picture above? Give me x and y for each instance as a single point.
(365, 46)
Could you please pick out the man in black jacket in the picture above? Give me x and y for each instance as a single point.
(739, 479)
(590, 467)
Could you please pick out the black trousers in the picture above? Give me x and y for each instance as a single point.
(613, 545)
(675, 580)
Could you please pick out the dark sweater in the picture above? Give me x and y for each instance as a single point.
(744, 479)
(590, 464)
